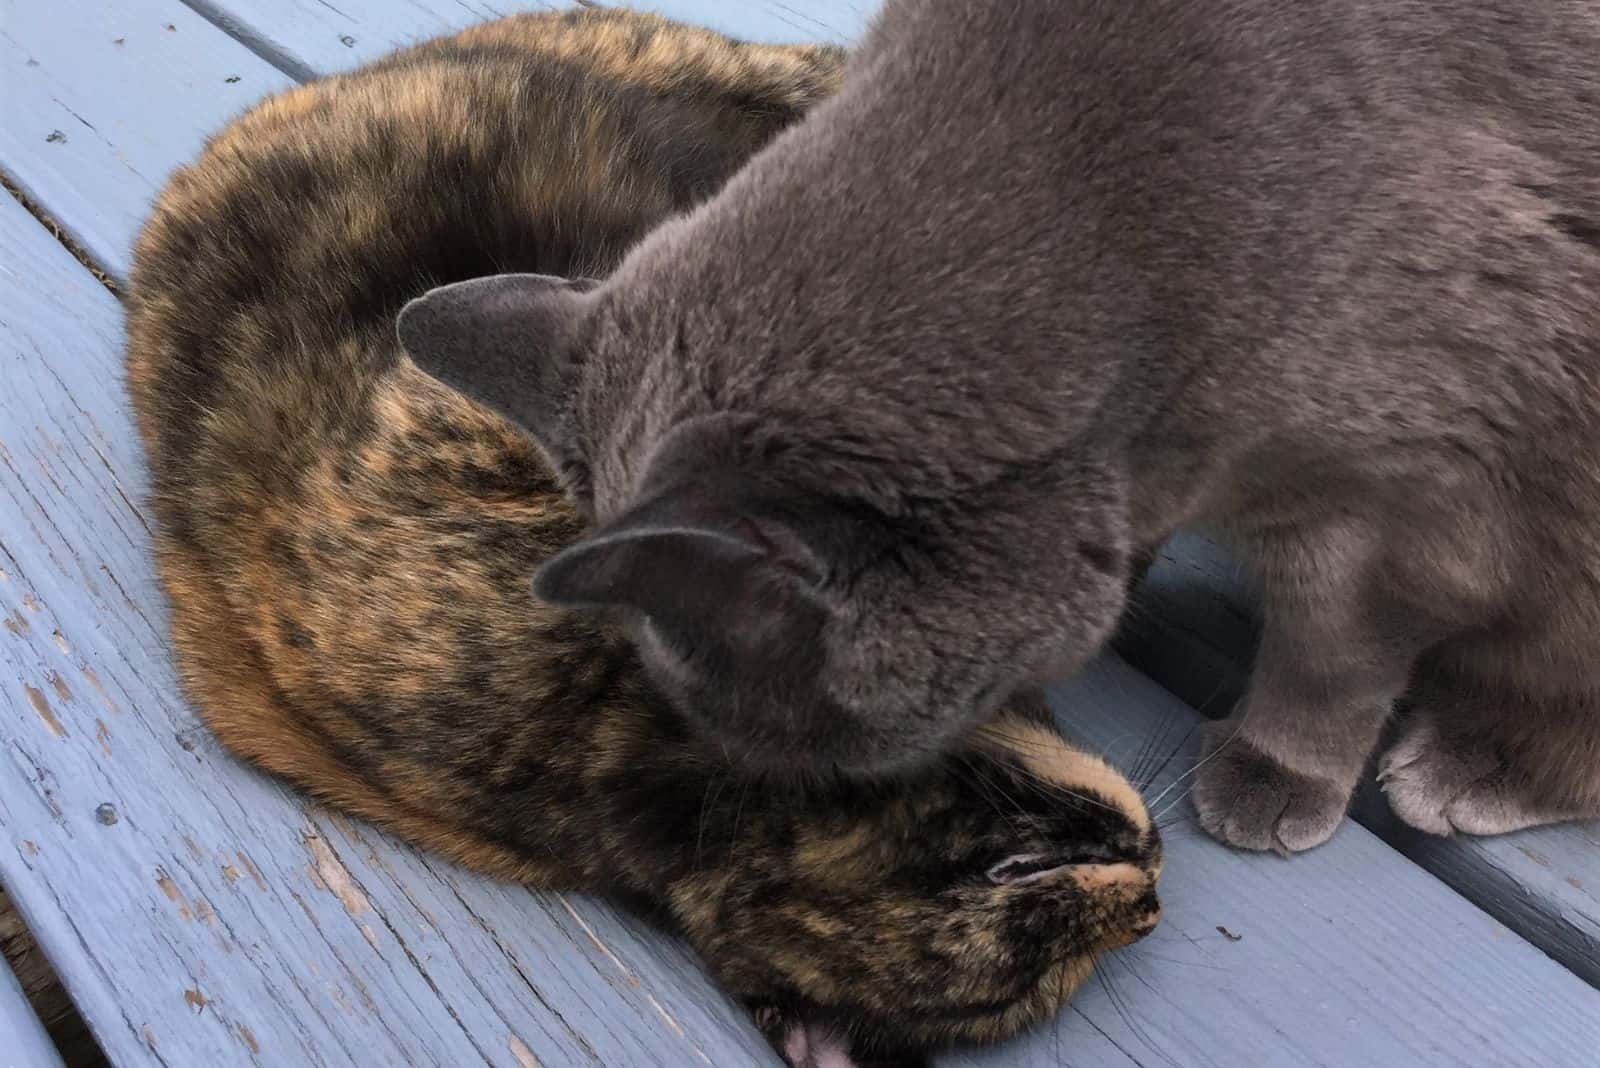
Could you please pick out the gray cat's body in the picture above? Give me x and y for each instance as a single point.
(876, 432)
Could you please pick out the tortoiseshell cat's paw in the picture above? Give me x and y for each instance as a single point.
(1448, 783)
(1248, 800)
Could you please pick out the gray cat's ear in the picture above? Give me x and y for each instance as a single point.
(508, 341)
(716, 574)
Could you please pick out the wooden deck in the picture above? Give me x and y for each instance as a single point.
(200, 914)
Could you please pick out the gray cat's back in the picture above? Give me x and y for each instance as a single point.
(1237, 177)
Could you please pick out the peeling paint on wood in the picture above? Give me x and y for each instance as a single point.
(524, 1055)
(333, 876)
(41, 708)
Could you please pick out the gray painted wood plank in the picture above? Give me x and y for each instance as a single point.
(197, 912)
(1192, 625)
(410, 893)
(1543, 883)
(306, 37)
(23, 1040)
(1347, 955)
(1194, 632)
(104, 98)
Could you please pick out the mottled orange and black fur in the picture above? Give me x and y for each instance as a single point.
(348, 547)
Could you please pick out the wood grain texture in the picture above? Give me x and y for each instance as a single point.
(1194, 632)
(1347, 955)
(309, 37)
(203, 915)
(198, 913)
(103, 98)
(26, 1045)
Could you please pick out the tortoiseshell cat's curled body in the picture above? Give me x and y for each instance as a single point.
(348, 546)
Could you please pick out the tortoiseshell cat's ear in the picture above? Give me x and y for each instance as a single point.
(506, 341)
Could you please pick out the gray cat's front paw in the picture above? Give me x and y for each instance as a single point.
(1447, 784)
(1248, 800)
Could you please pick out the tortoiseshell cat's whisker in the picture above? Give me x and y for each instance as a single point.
(1051, 786)
(987, 790)
(717, 782)
(1223, 745)
(1119, 998)
(1161, 769)
(1145, 770)
(1146, 954)
(1135, 771)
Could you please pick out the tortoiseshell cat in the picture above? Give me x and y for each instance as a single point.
(348, 547)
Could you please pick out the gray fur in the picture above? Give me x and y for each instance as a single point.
(1048, 280)
(475, 337)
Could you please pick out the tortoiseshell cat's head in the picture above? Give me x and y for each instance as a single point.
(963, 904)
(348, 546)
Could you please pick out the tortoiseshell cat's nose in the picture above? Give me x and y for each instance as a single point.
(1147, 923)
(1129, 891)
(1140, 927)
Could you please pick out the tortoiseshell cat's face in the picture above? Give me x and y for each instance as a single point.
(965, 903)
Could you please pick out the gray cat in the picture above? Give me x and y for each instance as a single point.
(874, 436)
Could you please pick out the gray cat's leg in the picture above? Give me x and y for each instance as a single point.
(1279, 773)
(1459, 765)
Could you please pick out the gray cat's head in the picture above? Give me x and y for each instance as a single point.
(807, 617)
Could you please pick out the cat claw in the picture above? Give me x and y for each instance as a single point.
(1447, 788)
